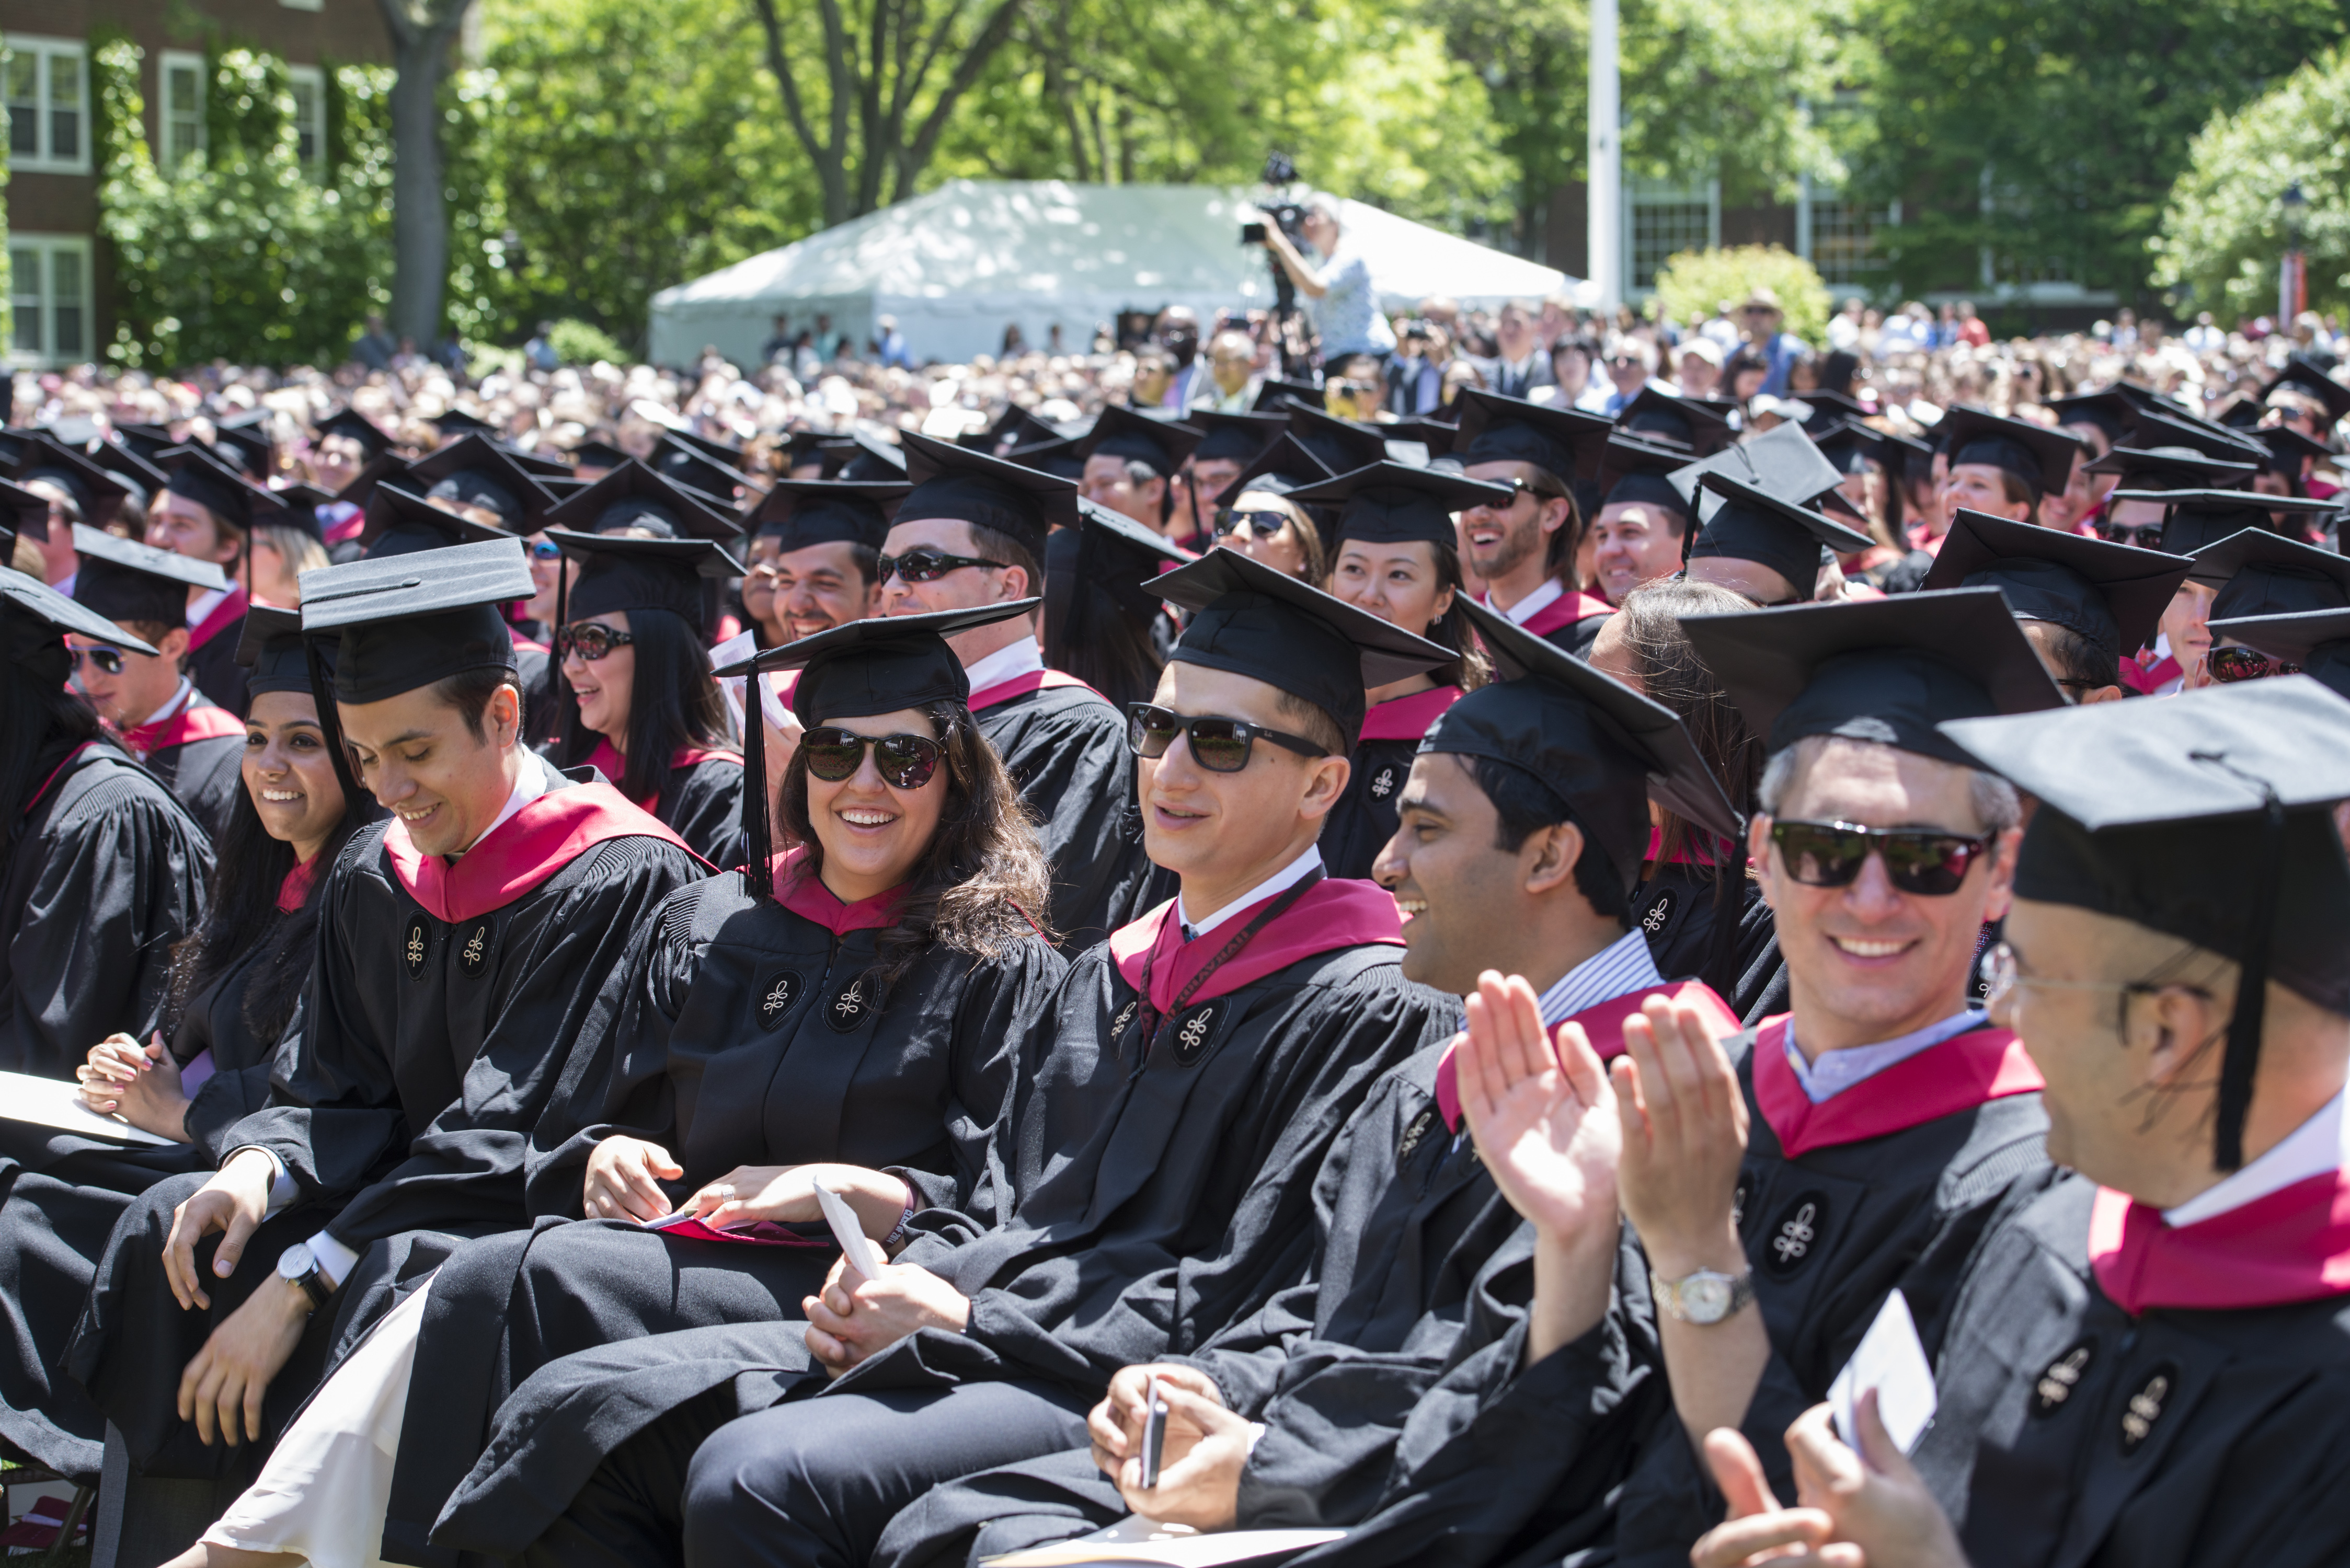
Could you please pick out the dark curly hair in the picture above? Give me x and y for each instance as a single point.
(980, 885)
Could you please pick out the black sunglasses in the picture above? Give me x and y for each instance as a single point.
(1916, 860)
(1264, 523)
(2145, 535)
(592, 639)
(2229, 665)
(925, 565)
(108, 659)
(1219, 745)
(904, 762)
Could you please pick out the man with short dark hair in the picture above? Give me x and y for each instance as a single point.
(815, 552)
(1642, 533)
(1526, 552)
(462, 944)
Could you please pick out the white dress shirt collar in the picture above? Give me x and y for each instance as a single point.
(2319, 1145)
(1295, 872)
(1006, 663)
(527, 788)
(203, 604)
(1837, 1071)
(172, 709)
(1535, 602)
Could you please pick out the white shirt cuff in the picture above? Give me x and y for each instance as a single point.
(334, 1259)
(283, 1189)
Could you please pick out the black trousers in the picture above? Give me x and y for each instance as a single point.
(809, 1482)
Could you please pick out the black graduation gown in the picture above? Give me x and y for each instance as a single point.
(214, 669)
(1364, 818)
(1829, 1234)
(702, 803)
(1129, 1209)
(1733, 945)
(736, 1039)
(2070, 1432)
(430, 1050)
(104, 873)
(60, 1198)
(1065, 749)
(204, 776)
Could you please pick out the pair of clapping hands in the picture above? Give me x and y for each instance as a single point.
(853, 1317)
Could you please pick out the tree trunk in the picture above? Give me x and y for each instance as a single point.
(420, 32)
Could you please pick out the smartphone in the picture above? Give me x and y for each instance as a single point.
(1154, 1434)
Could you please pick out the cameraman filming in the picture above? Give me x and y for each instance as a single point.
(1345, 305)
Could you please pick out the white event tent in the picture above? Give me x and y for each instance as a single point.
(958, 265)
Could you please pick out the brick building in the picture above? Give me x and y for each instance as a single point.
(57, 265)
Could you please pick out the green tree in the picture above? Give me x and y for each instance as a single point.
(605, 149)
(2048, 135)
(1692, 284)
(2224, 227)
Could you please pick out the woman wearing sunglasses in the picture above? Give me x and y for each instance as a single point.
(1398, 558)
(844, 1014)
(234, 984)
(638, 703)
(1255, 515)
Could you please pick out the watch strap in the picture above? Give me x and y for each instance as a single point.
(1668, 1295)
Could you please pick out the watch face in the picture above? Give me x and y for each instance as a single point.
(1705, 1298)
(295, 1260)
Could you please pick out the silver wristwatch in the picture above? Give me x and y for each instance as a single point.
(298, 1267)
(1704, 1297)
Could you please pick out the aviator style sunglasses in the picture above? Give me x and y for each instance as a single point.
(1219, 745)
(1916, 860)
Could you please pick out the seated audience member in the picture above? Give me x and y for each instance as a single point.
(461, 950)
(2144, 1364)
(154, 708)
(1148, 1183)
(207, 510)
(2002, 466)
(235, 988)
(1783, 1187)
(1255, 516)
(812, 556)
(1773, 551)
(1130, 462)
(1526, 552)
(105, 871)
(902, 913)
(1524, 818)
(1395, 558)
(1645, 525)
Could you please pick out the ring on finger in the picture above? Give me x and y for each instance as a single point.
(723, 1192)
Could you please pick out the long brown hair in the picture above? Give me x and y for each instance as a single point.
(980, 884)
(1671, 674)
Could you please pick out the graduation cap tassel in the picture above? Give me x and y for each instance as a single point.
(2243, 1052)
(758, 806)
(322, 692)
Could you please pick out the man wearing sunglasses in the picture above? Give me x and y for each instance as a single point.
(1525, 551)
(1783, 1186)
(972, 532)
(2191, 521)
(2255, 574)
(2143, 1362)
(194, 746)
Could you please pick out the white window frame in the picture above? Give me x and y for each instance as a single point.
(315, 79)
(168, 156)
(47, 50)
(1638, 193)
(40, 300)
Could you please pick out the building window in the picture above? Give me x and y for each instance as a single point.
(182, 101)
(309, 88)
(1660, 220)
(1836, 235)
(48, 289)
(48, 118)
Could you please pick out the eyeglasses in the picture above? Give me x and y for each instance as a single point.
(1916, 860)
(592, 639)
(108, 660)
(1219, 745)
(925, 565)
(2145, 535)
(904, 762)
(546, 550)
(2229, 665)
(1263, 524)
(2002, 973)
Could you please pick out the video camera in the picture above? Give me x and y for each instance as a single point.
(1280, 173)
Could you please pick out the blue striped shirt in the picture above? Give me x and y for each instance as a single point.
(1624, 965)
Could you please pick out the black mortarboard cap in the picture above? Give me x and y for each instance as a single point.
(2156, 429)
(2041, 457)
(458, 423)
(399, 522)
(1754, 525)
(1438, 436)
(993, 492)
(1783, 460)
(410, 620)
(1057, 457)
(1604, 749)
(1284, 466)
(2316, 641)
(1120, 431)
(618, 573)
(2198, 518)
(1339, 445)
(244, 440)
(1233, 438)
(122, 579)
(2300, 376)
(597, 453)
(25, 513)
(149, 441)
(2257, 572)
(803, 447)
(802, 512)
(349, 421)
(390, 466)
(476, 472)
(1388, 503)
(1886, 670)
(95, 492)
(634, 496)
(39, 617)
(2114, 595)
(2108, 412)
(2289, 450)
(1117, 555)
(1013, 427)
(138, 476)
(1696, 425)
(2209, 818)
(1274, 395)
(540, 464)
(685, 466)
(1831, 407)
(1565, 444)
(2170, 468)
(270, 647)
(726, 453)
(1634, 472)
(199, 474)
(1252, 620)
(865, 457)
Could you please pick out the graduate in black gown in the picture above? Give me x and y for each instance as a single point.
(2150, 1364)
(1763, 546)
(461, 949)
(1886, 1119)
(1103, 623)
(1526, 549)
(1525, 820)
(639, 705)
(195, 747)
(811, 555)
(104, 869)
(207, 512)
(972, 533)
(236, 987)
(1394, 554)
(1148, 1183)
